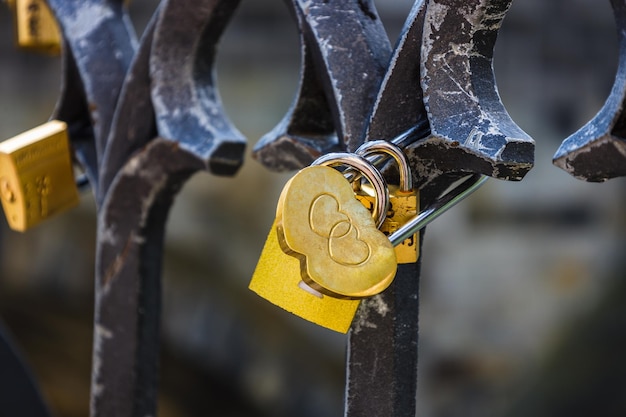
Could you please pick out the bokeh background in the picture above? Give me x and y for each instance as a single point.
(523, 300)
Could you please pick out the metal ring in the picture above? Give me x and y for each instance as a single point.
(394, 151)
(369, 171)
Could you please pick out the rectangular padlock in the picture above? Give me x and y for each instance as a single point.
(35, 26)
(403, 206)
(36, 175)
(277, 279)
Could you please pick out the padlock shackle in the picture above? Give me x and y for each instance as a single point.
(382, 146)
(443, 204)
(368, 170)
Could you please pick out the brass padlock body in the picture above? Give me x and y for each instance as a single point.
(277, 279)
(35, 26)
(402, 207)
(36, 175)
(341, 251)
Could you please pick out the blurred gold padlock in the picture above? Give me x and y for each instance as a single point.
(403, 199)
(35, 26)
(36, 175)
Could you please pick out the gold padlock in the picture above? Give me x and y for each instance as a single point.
(341, 251)
(278, 278)
(35, 26)
(36, 175)
(403, 199)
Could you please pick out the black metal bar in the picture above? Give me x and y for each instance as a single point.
(171, 81)
(451, 96)
(134, 123)
(471, 130)
(73, 109)
(143, 120)
(20, 395)
(99, 46)
(596, 152)
(128, 279)
(345, 51)
(381, 377)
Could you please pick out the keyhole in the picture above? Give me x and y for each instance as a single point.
(6, 191)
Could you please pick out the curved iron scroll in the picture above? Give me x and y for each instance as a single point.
(439, 86)
(99, 46)
(146, 118)
(597, 152)
(143, 174)
(344, 51)
(470, 130)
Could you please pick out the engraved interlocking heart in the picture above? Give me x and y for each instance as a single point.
(341, 251)
(344, 241)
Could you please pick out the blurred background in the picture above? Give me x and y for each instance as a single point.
(523, 301)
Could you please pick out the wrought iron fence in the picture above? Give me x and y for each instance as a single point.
(144, 114)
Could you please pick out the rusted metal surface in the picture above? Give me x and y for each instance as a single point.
(597, 151)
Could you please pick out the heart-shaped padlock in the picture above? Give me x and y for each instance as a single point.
(278, 276)
(341, 251)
